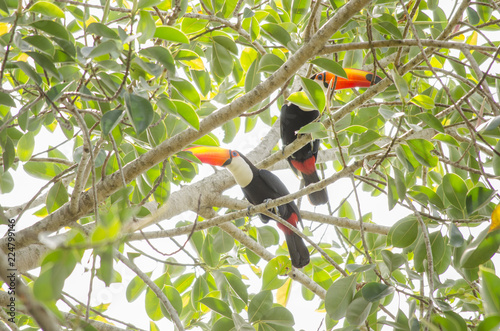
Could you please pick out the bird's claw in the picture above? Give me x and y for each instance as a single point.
(248, 211)
(273, 209)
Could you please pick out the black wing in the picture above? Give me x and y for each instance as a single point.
(274, 183)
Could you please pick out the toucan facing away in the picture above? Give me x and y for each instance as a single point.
(293, 118)
(259, 185)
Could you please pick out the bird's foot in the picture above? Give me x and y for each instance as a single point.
(273, 209)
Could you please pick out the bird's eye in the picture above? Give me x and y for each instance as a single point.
(234, 153)
(319, 76)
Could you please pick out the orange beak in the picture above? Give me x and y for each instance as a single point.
(355, 78)
(211, 155)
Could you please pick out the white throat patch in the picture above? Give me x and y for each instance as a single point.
(241, 171)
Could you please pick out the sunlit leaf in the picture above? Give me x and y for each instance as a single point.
(274, 271)
(171, 34)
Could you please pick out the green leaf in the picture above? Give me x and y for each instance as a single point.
(222, 61)
(456, 237)
(140, 112)
(29, 71)
(365, 142)
(56, 267)
(270, 63)
(278, 316)
(451, 321)
(146, 26)
(489, 323)
(431, 121)
(423, 101)
(106, 271)
(148, 3)
(9, 154)
(171, 34)
(481, 249)
(267, 236)
(187, 113)
(431, 196)
(275, 268)
(4, 7)
(227, 42)
(202, 79)
(218, 306)
(301, 100)
(358, 311)
(53, 28)
(322, 278)
(490, 292)
(199, 291)
(187, 90)
(45, 62)
(330, 66)
(404, 232)
(313, 127)
(259, 305)
(252, 77)
(455, 190)
(441, 253)
(47, 9)
(388, 28)
(392, 260)
(339, 296)
(458, 67)
(484, 11)
(192, 25)
(42, 170)
(210, 256)
(237, 285)
(207, 140)
(374, 291)
(422, 149)
(184, 281)
(56, 197)
(175, 299)
(6, 182)
(400, 183)
(447, 139)
(277, 33)
(405, 156)
(25, 146)
(254, 28)
(477, 198)
(400, 83)
(473, 16)
(299, 10)
(160, 54)
(135, 288)
(354, 267)
(223, 242)
(392, 193)
(42, 43)
(102, 30)
(314, 93)
(110, 120)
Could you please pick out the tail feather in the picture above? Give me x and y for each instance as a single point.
(299, 254)
(319, 197)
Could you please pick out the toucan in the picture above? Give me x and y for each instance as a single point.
(293, 118)
(258, 186)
